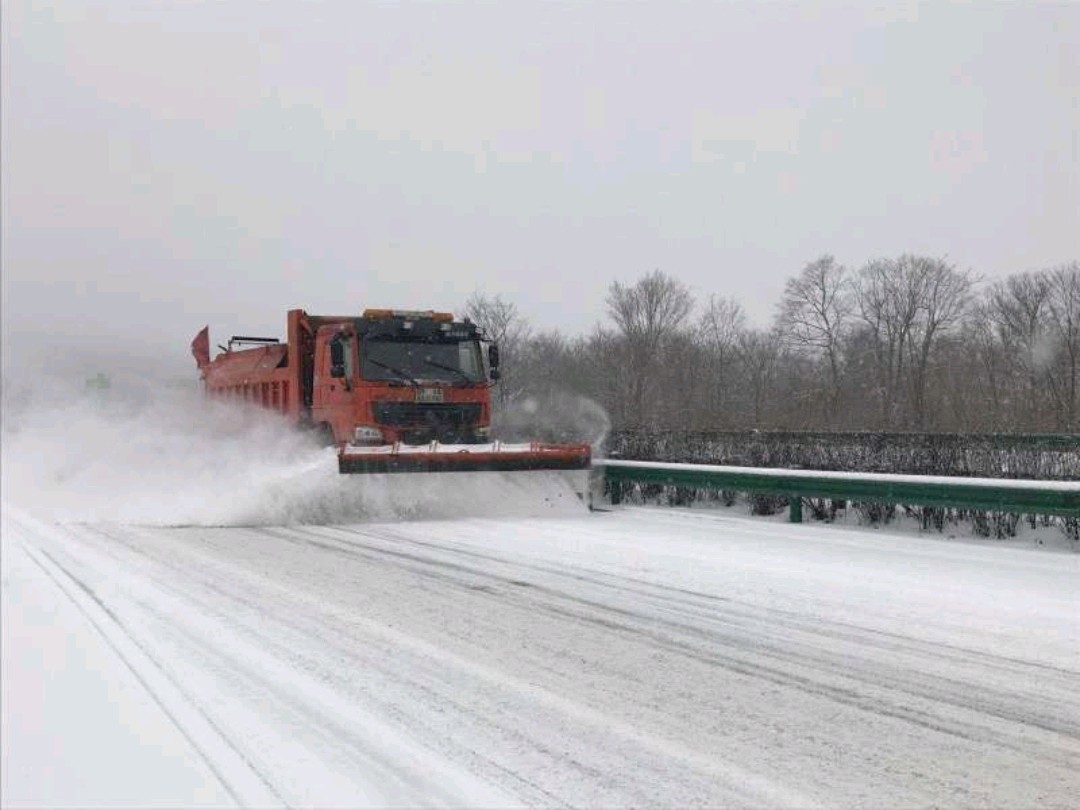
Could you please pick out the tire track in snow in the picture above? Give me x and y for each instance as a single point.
(912, 692)
(433, 627)
(371, 550)
(244, 784)
(743, 787)
(690, 598)
(196, 629)
(790, 654)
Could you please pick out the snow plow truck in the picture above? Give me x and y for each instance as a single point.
(394, 390)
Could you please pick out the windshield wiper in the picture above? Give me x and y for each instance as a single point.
(393, 370)
(457, 371)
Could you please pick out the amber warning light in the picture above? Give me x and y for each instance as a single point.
(411, 314)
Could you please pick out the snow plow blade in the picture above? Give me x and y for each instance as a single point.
(437, 457)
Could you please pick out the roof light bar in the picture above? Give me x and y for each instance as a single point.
(411, 314)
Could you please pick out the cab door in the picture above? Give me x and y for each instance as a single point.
(335, 382)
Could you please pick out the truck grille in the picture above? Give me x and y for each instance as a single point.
(426, 414)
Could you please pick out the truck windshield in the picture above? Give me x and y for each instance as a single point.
(436, 362)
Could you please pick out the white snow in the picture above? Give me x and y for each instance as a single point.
(153, 456)
(79, 727)
(305, 638)
(633, 657)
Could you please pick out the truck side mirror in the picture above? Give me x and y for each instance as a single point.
(493, 361)
(337, 358)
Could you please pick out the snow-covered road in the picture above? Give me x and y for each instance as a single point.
(634, 657)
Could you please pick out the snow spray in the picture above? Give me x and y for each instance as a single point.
(151, 453)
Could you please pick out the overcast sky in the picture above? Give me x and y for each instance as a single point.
(167, 165)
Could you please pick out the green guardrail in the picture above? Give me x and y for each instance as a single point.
(1061, 498)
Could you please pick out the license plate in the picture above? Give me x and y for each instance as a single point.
(429, 395)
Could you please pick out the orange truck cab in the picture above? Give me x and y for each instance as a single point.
(384, 378)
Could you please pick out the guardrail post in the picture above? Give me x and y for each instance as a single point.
(795, 509)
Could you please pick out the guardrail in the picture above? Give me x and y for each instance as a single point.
(1061, 498)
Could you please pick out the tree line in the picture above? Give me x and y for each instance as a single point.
(910, 343)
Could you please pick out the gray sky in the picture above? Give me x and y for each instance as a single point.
(171, 164)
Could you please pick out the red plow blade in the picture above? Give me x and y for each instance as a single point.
(437, 457)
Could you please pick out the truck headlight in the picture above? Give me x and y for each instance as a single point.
(367, 435)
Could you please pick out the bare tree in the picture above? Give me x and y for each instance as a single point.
(759, 359)
(544, 362)
(682, 373)
(944, 294)
(1064, 306)
(887, 309)
(720, 326)
(814, 315)
(991, 380)
(647, 314)
(905, 305)
(503, 325)
(1018, 311)
(912, 336)
(603, 358)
